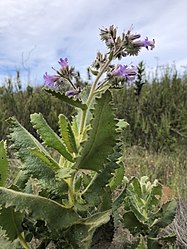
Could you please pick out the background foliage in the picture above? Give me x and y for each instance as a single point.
(157, 113)
(155, 110)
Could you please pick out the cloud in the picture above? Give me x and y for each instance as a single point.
(35, 34)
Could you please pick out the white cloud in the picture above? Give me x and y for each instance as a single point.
(34, 34)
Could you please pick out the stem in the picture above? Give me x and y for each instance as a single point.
(70, 191)
(84, 113)
(96, 81)
(22, 241)
(83, 121)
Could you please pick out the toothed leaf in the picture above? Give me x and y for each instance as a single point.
(11, 222)
(132, 223)
(81, 234)
(22, 139)
(67, 134)
(49, 137)
(117, 177)
(56, 216)
(167, 214)
(31, 165)
(68, 100)
(97, 188)
(101, 137)
(46, 159)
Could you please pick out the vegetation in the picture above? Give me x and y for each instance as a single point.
(71, 180)
(156, 114)
(20, 100)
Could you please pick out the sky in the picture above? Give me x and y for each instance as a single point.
(34, 34)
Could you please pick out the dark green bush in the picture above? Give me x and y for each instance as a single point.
(156, 110)
(157, 116)
(19, 102)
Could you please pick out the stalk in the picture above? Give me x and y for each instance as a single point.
(23, 242)
(71, 191)
(91, 94)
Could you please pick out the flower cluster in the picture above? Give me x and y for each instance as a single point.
(125, 44)
(50, 80)
(63, 75)
(118, 46)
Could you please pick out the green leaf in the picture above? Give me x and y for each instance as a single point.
(94, 72)
(36, 168)
(31, 165)
(134, 187)
(80, 235)
(167, 214)
(132, 223)
(56, 216)
(22, 140)
(135, 199)
(45, 158)
(67, 134)
(97, 190)
(63, 97)
(11, 222)
(101, 138)
(49, 137)
(154, 196)
(117, 177)
(3, 164)
(74, 126)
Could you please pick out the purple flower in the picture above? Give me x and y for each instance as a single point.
(63, 62)
(71, 92)
(146, 43)
(49, 80)
(125, 72)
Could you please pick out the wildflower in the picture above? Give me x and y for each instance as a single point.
(63, 62)
(146, 43)
(49, 80)
(125, 72)
(72, 92)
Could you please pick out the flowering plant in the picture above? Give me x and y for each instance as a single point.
(66, 197)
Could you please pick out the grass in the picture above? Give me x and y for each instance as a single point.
(170, 168)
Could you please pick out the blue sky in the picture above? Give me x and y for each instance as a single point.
(34, 34)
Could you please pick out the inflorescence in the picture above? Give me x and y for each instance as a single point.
(118, 47)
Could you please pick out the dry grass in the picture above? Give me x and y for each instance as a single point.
(169, 168)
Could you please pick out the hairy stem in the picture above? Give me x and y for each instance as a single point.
(91, 94)
(71, 191)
